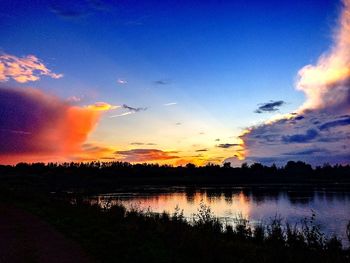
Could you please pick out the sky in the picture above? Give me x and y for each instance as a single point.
(174, 82)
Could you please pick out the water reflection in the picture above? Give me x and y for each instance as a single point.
(332, 208)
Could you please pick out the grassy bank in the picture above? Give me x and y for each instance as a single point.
(118, 235)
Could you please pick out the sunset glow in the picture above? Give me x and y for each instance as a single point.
(164, 85)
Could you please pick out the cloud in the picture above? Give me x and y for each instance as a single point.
(227, 145)
(307, 151)
(162, 82)
(271, 106)
(122, 81)
(327, 84)
(142, 143)
(336, 123)
(73, 99)
(77, 9)
(122, 114)
(202, 150)
(298, 118)
(301, 138)
(137, 143)
(133, 109)
(24, 69)
(36, 126)
(102, 106)
(170, 104)
(89, 147)
(93, 152)
(144, 155)
(322, 122)
(316, 130)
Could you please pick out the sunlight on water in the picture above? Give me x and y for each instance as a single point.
(332, 209)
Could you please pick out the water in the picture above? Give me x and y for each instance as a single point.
(332, 208)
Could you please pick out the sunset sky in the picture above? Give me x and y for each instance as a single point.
(173, 82)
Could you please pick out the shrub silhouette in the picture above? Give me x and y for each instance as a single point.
(117, 234)
(113, 233)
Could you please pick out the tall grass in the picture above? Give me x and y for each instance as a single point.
(115, 234)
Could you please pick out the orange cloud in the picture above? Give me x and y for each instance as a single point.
(38, 127)
(24, 69)
(144, 155)
(95, 151)
(102, 106)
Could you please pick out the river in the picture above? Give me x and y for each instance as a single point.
(258, 204)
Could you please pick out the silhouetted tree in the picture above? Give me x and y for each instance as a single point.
(227, 165)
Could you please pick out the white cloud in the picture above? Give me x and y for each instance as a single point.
(122, 114)
(170, 104)
(24, 69)
(318, 131)
(122, 81)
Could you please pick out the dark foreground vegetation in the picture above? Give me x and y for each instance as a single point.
(113, 234)
(101, 177)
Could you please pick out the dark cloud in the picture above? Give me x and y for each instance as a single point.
(36, 124)
(70, 9)
(332, 124)
(271, 106)
(202, 150)
(227, 145)
(197, 156)
(144, 155)
(162, 82)
(22, 116)
(217, 140)
(77, 8)
(298, 118)
(142, 143)
(287, 139)
(132, 109)
(178, 123)
(301, 138)
(308, 152)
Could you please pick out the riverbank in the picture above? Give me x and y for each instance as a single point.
(119, 235)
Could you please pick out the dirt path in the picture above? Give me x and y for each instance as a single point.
(26, 238)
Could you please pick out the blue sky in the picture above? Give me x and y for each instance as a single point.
(218, 61)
